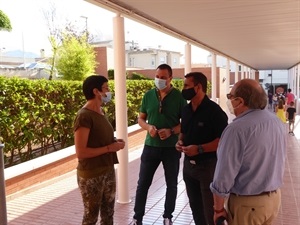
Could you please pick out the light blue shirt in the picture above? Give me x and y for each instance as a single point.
(251, 155)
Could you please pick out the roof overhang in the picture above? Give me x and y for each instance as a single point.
(262, 35)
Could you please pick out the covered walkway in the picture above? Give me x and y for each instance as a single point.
(58, 202)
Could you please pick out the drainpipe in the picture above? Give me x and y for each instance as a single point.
(3, 215)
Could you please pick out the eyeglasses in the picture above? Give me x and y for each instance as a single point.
(229, 95)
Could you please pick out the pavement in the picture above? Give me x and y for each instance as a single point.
(58, 202)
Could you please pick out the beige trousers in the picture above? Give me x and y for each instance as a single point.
(253, 210)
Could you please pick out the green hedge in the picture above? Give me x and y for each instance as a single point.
(39, 114)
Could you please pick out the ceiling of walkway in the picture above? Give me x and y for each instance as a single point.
(261, 34)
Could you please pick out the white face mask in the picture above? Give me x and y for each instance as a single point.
(229, 106)
(160, 83)
(107, 98)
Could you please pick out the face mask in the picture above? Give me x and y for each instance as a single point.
(188, 94)
(229, 106)
(107, 98)
(160, 83)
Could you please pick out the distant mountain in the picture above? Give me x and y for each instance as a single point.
(19, 53)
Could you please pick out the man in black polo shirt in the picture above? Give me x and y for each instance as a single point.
(202, 124)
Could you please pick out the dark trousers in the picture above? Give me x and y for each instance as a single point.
(150, 160)
(197, 179)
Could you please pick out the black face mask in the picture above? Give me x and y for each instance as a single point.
(188, 94)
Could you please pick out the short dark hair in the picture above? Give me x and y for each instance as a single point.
(289, 90)
(165, 67)
(198, 78)
(91, 82)
(254, 96)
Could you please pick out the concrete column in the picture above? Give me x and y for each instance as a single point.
(242, 72)
(227, 81)
(294, 75)
(290, 79)
(3, 213)
(236, 74)
(248, 73)
(121, 106)
(188, 57)
(213, 77)
(297, 89)
(253, 74)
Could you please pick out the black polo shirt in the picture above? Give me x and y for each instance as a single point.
(202, 126)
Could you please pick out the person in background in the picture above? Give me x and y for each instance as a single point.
(270, 97)
(160, 115)
(251, 159)
(290, 97)
(275, 101)
(280, 111)
(291, 115)
(96, 150)
(202, 124)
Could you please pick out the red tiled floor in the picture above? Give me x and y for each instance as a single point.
(59, 203)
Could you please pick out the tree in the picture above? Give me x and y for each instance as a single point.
(61, 27)
(4, 22)
(76, 58)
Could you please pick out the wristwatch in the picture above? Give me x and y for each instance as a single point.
(200, 149)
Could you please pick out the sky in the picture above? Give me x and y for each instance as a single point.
(30, 32)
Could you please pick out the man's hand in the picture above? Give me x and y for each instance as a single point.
(164, 133)
(220, 214)
(152, 131)
(179, 145)
(190, 150)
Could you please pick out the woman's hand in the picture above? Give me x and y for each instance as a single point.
(116, 146)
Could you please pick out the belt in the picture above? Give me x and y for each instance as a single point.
(261, 194)
(193, 162)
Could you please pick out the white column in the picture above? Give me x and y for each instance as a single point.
(294, 74)
(253, 74)
(236, 74)
(213, 77)
(3, 210)
(121, 106)
(242, 72)
(188, 58)
(227, 81)
(297, 90)
(290, 79)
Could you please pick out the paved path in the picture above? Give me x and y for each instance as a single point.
(59, 202)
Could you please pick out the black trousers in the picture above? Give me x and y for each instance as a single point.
(150, 160)
(197, 178)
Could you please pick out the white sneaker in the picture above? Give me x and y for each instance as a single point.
(168, 221)
(135, 222)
